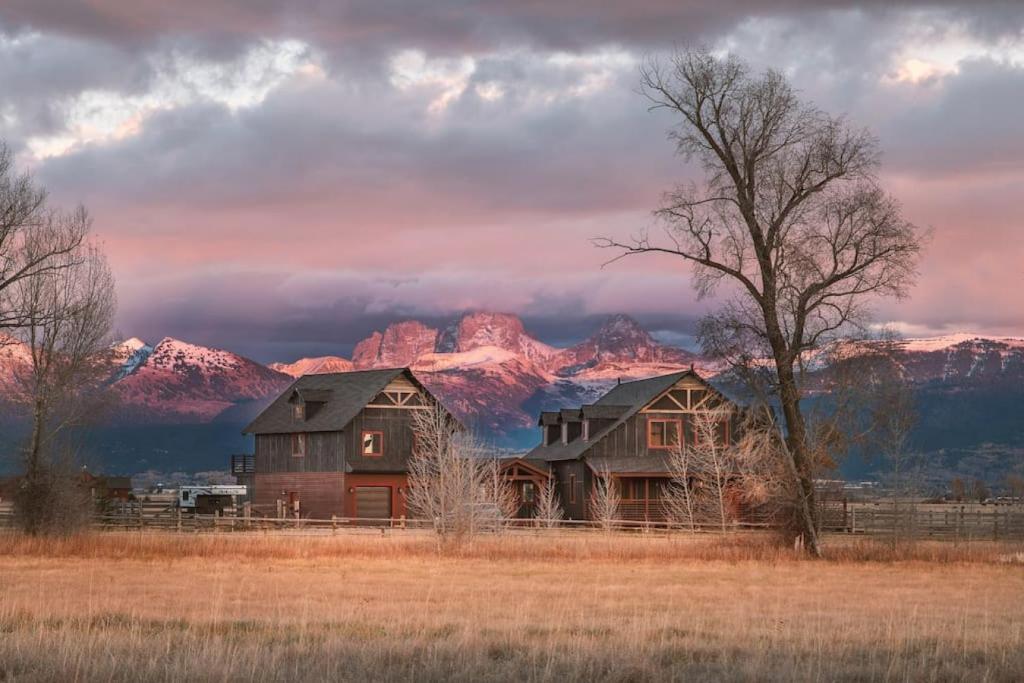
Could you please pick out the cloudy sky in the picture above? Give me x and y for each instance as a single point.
(279, 178)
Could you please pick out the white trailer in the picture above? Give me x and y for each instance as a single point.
(207, 500)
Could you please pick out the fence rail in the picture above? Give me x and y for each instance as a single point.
(925, 522)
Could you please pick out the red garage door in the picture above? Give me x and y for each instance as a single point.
(373, 502)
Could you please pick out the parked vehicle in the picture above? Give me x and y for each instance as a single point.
(210, 499)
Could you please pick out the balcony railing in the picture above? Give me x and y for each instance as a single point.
(243, 464)
(652, 510)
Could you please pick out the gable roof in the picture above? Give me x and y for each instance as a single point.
(349, 392)
(622, 402)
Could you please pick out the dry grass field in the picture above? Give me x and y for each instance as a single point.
(131, 607)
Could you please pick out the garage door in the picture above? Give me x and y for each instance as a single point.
(373, 502)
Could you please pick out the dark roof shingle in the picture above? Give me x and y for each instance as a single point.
(620, 403)
(348, 392)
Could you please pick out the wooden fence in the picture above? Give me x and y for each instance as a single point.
(922, 522)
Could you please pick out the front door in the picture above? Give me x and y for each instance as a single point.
(527, 499)
(373, 502)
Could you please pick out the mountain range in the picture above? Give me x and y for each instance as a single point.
(177, 400)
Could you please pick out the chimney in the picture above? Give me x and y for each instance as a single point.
(691, 367)
(618, 381)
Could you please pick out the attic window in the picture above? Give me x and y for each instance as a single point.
(373, 443)
(299, 411)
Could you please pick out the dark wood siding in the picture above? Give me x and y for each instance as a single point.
(324, 453)
(631, 437)
(395, 424)
(320, 494)
(567, 472)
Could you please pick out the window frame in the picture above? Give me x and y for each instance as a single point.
(679, 433)
(299, 412)
(572, 489)
(299, 445)
(529, 493)
(362, 443)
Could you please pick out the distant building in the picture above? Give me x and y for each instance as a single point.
(628, 433)
(335, 444)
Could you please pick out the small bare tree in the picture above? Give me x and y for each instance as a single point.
(452, 481)
(714, 459)
(548, 507)
(498, 492)
(604, 499)
(893, 417)
(958, 489)
(681, 503)
(790, 218)
(1015, 487)
(67, 313)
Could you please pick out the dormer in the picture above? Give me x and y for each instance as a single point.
(306, 403)
(572, 424)
(550, 427)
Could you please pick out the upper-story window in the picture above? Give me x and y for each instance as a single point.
(663, 433)
(373, 443)
(298, 445)
(299, 411)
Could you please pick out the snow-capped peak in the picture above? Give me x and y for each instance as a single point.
(130, 355)
(930, 344)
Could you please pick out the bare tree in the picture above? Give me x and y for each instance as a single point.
(604, 499)
(452, 481)
(893, 417)
(548, 509)
(790, 217)
(681, 503)
(66, 317)
(498, 492)
(714, 459)
(980, 491)
(34, 238)
(1015, 487)
(958, 489)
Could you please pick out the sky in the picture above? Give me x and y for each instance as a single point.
(281, 178)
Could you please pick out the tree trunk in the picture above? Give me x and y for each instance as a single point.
(796, 444)
(34, 474)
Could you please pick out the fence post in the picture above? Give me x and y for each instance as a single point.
(178, 515)
(334, 523)
(141, 521)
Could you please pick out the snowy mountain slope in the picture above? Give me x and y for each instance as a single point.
(187, 382)
(313, 366)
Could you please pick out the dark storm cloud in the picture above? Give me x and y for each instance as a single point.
(487, 156)
(446, 25)
(345, 198)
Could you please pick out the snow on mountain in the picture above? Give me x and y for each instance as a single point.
(313, 366)
(486, 387)
(501, 330)
(486, 366)
(621, 347)
(182, 381)
(129, 355)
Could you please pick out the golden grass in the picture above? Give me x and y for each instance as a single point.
(269, 608)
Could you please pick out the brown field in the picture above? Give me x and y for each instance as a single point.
(371, 607)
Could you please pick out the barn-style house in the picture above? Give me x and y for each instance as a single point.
(629, 434)
(335, 444)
